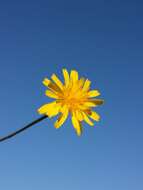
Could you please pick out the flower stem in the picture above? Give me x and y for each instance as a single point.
(23, 129)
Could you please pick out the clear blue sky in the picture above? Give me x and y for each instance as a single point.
(103, 40)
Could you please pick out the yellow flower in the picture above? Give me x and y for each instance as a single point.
(74, 97)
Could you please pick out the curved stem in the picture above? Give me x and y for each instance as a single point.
(22, 129)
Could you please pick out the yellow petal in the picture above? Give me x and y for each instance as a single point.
(43, 109)
(52, 86)
(81, 82)
(46, 82)
(89, 104)
(63, 116)
(74, 76)
(79, 115)
(50, 109)
(93, 93)
(57, 81)
(66, 76)
(94, 116)
(78, 87)
(83, 107)
(51, 94)
(86, 85)
(77, 125)
(87, 120)
(97, 102)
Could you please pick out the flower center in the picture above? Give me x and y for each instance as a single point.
(72, 101)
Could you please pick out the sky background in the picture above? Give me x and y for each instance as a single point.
(103, 40)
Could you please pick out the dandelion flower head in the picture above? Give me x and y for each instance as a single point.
(73, 97)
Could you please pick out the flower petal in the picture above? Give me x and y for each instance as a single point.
(50, 109)
(57, 81)
(87, 120)
(74, 76)
(76, 125)
(46, 82)
(52, 86)
(86, 85)
(81, 82)
(97, 102)
(63, 116)
(89, 104)
(95, 116)
(66, 77)
(51, 94)
(79, 85)
(93, 93)
(79, 115)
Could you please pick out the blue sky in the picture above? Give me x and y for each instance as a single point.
(101, 39)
